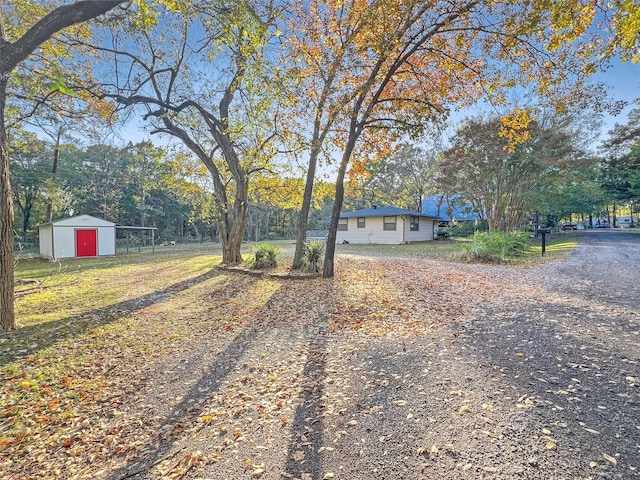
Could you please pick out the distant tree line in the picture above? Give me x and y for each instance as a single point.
(548, 177)
(135, 185)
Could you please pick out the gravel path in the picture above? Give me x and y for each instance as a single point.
(573, 347)
(430, 371)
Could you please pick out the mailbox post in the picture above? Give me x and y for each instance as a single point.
(543, 232)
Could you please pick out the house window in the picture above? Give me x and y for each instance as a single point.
(415, 224)
(389, 223)
(360, 222)
(342, 224)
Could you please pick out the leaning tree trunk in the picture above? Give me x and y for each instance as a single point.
(11, 54)
(329, 253)
(7, 313)
(303, 222)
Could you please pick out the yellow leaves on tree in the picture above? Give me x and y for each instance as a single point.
(514, 128)
(286, 193)
(627, 25)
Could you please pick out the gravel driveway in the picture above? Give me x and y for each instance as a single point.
(573, 347)
(467, 372)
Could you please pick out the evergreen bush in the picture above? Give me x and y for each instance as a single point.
(312, 254)
(266, 256)
(495, 246)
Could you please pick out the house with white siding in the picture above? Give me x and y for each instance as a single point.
(390, 225)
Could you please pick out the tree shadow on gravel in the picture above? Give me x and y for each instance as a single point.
(219, 366)
(209, 382)
(306, 425)
(28, 340)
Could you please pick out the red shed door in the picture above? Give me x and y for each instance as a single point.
(86, 243)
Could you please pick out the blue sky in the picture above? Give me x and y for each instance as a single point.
(624, 82)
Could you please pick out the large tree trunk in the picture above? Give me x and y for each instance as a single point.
(231, 246)
(233, 225)
(7, 315)
(329, 253)
(303, 223)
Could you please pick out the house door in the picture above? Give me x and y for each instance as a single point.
(86, 243)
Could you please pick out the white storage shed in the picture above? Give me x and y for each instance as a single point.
(81, 236)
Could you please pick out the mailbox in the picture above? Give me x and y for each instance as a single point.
(543, 232)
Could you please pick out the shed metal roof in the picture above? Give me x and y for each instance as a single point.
(80, 221)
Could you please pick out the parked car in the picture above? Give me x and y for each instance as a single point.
(570, 226)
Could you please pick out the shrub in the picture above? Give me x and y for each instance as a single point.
(266, 256)
(444, 233)
(466, 229)
(495, 246)
(312, 254)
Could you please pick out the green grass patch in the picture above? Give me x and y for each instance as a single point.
(437, 249)
(556, 248)
(89, 327)
(72, 287)
(517, 250)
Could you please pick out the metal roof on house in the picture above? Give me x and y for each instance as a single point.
(436, 205)
(384, 211)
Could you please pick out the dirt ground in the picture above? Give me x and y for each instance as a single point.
(403, 368)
